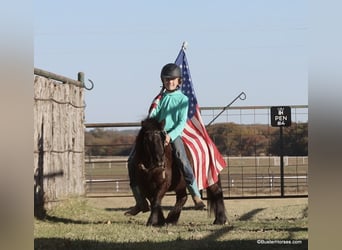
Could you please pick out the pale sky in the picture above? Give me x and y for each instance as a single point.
(255, 46)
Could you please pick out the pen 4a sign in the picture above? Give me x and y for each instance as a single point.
(281, 116)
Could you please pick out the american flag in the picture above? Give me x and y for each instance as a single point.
(208, 162)
(155, 102)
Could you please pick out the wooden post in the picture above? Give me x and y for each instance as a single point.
(58, 139)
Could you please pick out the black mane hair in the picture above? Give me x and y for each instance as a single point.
(149, 124)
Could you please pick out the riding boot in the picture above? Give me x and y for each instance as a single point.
(196, 196)
(141, 203)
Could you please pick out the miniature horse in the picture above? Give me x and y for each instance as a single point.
(157, 173)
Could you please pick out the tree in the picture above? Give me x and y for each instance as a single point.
(231, 139)
(295, 140)
(108, 142)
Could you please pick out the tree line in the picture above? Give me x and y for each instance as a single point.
(231, 139)
(249, 140)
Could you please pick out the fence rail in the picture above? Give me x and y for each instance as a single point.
(109, 177)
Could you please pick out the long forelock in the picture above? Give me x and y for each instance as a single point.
(149, 124)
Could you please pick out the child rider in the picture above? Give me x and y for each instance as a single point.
(173, 108)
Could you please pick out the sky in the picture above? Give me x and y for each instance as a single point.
(255, 46)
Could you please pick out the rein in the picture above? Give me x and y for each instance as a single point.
(160, 133)
(142, 167)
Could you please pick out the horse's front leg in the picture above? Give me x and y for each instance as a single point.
(156, 216)
(174, 214)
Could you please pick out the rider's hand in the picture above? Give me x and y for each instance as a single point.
(167, 140)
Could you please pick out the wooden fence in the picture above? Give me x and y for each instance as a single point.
(58, 139)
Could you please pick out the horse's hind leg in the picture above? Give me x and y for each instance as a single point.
(216, 203)
(173, 216)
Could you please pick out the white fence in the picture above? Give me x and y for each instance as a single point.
(257, 176)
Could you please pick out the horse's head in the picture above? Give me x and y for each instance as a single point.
(152, 138)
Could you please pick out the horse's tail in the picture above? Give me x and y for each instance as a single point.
(216, 202)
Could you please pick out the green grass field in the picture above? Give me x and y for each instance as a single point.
(99, 223)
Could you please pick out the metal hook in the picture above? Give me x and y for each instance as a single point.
(242, 96)
(89, 88)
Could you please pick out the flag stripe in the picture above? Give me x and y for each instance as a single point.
(155, 103)
(189, 141)
(199, 150)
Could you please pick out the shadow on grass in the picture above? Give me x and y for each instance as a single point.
(250, 214)
(165, 208)
(69, 221)
(208, 243)
(305, 211)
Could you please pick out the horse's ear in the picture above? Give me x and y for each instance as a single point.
(162, 123)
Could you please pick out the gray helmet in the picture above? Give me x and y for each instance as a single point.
(171, 70)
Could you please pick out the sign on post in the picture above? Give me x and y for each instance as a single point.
(281, 116)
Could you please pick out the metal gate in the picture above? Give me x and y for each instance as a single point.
(252, 174)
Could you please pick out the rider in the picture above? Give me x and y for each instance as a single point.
(173, 108)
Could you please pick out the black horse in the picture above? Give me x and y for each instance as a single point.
(156, 174)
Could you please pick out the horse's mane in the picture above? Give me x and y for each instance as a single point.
(149, 124)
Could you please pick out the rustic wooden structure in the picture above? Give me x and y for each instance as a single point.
(58, 139)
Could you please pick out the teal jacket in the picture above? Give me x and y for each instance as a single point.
(173, 108)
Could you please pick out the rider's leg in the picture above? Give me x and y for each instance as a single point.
(183, 162)
(141, 204)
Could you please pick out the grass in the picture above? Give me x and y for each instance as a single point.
(94, 223)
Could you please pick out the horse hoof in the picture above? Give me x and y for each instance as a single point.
(171, 222)
(155, 224)
(220, 222)
(200, 206)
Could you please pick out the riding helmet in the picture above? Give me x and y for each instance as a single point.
(171, 70)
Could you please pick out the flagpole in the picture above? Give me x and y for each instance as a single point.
(241, 96)
(184, 45)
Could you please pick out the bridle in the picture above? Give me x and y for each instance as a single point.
(162, 135)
